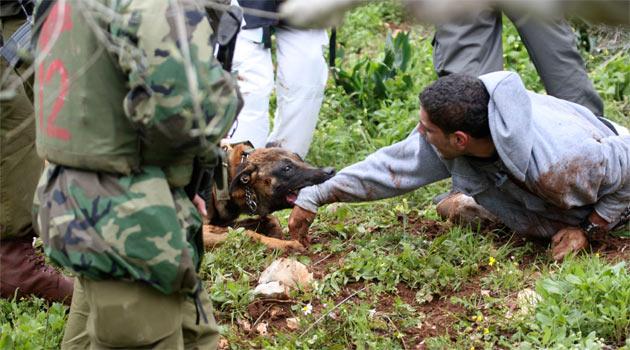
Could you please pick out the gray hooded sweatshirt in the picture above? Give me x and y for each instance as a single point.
(556, 164)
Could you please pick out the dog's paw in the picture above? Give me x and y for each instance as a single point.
(292, 246)
(295, 246)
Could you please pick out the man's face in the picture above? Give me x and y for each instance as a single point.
(435, 136)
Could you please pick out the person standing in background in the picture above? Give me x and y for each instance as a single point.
(300, 80)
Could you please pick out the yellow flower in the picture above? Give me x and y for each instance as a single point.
(486, 331)
(472, 348)
(491, 261)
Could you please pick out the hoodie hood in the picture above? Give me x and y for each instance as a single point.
(510, 119)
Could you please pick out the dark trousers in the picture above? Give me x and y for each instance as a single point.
(472, 45)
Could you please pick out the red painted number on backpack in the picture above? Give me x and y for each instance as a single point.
(58, 21)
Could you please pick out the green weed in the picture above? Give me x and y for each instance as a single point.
(586, 297)
(31, 324)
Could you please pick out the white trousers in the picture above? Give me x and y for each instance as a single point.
(301, 79)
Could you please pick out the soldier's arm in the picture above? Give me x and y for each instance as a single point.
(179, 94)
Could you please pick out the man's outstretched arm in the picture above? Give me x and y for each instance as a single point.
(389, 172)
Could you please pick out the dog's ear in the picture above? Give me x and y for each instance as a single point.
(243, 176)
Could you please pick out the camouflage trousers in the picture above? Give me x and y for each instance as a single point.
(20, 166)
(115, 314)
(105, 226)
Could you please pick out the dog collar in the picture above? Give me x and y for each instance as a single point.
(250, 195)
(222, 193)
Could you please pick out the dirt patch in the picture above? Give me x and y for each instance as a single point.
(349, 289)
(612, 248)
(439, 314)
(272, 312)
(426, 227)
(432, 228)
(405, 293)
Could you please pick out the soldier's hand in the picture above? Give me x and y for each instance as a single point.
(299, 222)
(567, 240)
(200, 204)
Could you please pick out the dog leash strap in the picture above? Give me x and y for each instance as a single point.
(222, 190)
(201, 313)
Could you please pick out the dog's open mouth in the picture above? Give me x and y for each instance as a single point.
(308, 177)
(292, 197)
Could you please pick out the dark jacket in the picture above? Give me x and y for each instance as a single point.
(253, 22)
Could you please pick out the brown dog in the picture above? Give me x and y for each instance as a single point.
(261, 181)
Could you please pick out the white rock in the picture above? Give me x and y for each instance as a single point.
(288, 272)
(271, 289)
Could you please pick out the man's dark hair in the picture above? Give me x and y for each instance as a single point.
(458, 102)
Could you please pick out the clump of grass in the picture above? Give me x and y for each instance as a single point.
(585, 299)
(31, 324)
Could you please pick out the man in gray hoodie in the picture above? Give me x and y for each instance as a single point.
(543, 166)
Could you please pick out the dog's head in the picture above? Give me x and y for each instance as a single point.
(272, 176)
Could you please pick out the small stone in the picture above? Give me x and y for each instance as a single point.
(261, 328)
(420, 346)
(223, 344)
(293, 323)
(244, 324)
(275, 312)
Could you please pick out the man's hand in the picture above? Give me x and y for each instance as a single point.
(299, 222)
(567, 240)
(200, 204)
(599, 221)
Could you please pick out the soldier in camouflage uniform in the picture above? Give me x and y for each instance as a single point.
(128, 94)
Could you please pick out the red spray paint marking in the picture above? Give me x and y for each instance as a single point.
(51, 25)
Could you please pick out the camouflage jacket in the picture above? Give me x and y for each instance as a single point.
(133, 225)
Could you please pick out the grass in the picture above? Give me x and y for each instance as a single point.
(31, 324)
(389, 275)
